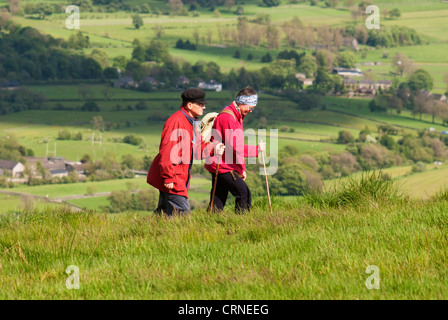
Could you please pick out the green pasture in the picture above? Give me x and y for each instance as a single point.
(93, 204)
(426, 184)
(11, 203)
(82, 188)
(60, 190)
(431, 24)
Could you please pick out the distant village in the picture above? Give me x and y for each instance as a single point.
(40, 168)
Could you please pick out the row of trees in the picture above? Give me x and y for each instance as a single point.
(12, 150)
(20, 100)
(260, 32)
(27, 54)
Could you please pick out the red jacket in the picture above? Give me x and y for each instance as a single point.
(172, 163)
(229, 129)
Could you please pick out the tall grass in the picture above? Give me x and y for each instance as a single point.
(372, 189)
(298, 252)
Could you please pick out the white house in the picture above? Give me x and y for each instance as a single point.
(16, 168)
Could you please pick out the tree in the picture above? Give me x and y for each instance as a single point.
(324, 59)
(331, 3)
(107, 93)
(175, 5)
(402, 64)
(291, 179)
(90, 106)
(145, 8)
(110, 73)
(158, 31)
(120, 62)
(266, 58)
(270, 3)
(137, 21)
(229, 4)
(420, 80)
(85, 92)
(438, 109)
(273, 35)
(346, 59)
(395, 13)
(422, 103)
(308, 65)
(446, 80)
(157, 51)
(100, 57)
(322, 83)
(345, 137)
(14, 6)
(98, 123)
(349, 3)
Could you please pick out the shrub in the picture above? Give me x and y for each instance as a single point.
(419, 167)
(345, 137)
(345, 163)
(132, 140)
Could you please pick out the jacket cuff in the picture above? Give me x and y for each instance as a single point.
(166, 181)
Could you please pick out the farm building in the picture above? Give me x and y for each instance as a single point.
(55, 166)
(125, 82)
(14, 168)
(383, 84)
(345, 72)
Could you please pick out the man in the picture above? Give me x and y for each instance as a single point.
(228, 128)
(170, 170)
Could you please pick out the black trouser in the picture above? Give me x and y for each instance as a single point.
(233, 182)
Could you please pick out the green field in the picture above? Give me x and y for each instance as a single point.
(298, 252)
(111, 32)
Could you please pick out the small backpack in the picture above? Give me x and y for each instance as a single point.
(207, 123)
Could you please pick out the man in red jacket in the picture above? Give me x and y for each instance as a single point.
(170, 170)
(228, 128)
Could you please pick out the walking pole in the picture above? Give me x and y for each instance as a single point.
(266, 178)
(214, 185)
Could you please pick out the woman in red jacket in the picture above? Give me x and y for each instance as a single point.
(170, 170)
(228, 128)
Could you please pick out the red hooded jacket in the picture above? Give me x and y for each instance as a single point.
(172, 163)
(229, 129)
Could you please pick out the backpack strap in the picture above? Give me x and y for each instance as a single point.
(228, 112)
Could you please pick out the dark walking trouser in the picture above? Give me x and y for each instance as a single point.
(233, 182)
(172, 203)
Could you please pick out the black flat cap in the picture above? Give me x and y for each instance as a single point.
(194, 95)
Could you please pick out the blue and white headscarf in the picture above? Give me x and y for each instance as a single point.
(249, 100)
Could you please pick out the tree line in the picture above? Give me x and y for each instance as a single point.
(300, 173)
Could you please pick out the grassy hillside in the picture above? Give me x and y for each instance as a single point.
(298, 252)
(114, 33)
